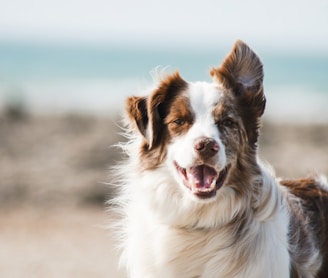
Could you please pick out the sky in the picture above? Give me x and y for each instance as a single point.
(297, 25)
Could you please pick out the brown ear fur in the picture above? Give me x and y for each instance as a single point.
(168, 89)
(148, 114)
(242, 74)
(242, 67)
(136, 108)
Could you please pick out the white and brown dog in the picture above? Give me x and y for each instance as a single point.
(195, 199)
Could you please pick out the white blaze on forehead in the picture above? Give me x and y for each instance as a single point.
(203, 97)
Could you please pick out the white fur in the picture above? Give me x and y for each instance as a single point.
(203, 97)
(167, 232)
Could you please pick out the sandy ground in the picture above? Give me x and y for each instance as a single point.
(52, 190)
(62, 242)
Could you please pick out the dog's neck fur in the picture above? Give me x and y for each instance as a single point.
(240, 232)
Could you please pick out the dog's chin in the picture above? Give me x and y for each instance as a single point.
(203, 181)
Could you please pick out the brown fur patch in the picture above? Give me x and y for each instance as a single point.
(159, 103)
(136, 108)
(149, 116)
(180, 117)
(230, 125)
(251, 107)
(238, 127)
(309, 223)
(241, 73)
(241, 68)
(235, 137)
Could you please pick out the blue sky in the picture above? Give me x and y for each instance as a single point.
(287, 24)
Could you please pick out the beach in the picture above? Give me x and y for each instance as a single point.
(55, 179)
(66, 68)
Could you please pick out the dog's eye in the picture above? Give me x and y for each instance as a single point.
(226, 123)
(179, 122)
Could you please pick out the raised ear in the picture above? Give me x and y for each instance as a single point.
(147, 113)
(242, 72)
(241, 69)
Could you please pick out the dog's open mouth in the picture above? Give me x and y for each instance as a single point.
(202, 180)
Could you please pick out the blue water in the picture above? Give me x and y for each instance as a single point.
(23, 61)
(39, 73)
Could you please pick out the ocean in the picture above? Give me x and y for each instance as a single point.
(52, 79)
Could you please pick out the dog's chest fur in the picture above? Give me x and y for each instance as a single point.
(161, 250)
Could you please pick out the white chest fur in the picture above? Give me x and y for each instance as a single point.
(157, 250)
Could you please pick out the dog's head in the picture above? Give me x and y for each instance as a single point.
(205, 133)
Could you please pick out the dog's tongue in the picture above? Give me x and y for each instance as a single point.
(201, 177)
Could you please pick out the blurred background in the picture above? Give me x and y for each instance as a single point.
(66, 68)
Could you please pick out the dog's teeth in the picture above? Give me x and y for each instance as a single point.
(213, 184)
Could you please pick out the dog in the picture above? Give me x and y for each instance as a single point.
(195, 199)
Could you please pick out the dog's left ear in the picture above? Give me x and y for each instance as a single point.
(242, 72)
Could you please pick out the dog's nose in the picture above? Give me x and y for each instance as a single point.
(206, 147)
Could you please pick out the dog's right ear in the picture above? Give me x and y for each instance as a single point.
(136, 108)
(146, 114)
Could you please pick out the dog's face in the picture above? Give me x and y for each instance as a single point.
(205, 133)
